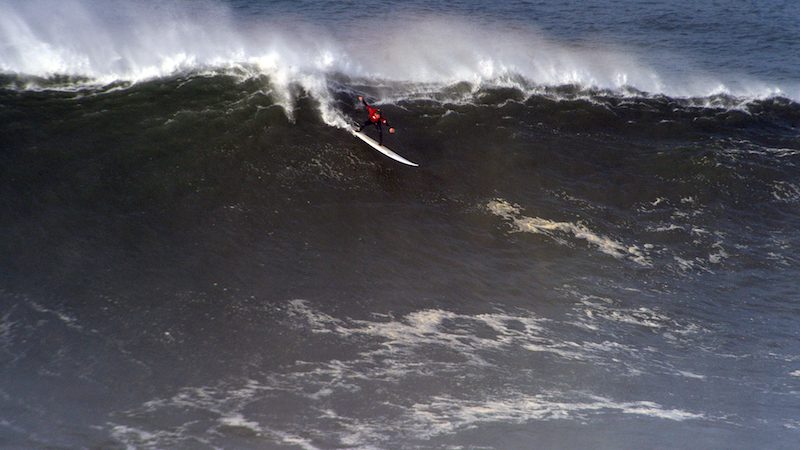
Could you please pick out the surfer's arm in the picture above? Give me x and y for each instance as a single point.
(363, 101)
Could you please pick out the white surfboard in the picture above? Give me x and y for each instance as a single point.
(381, 148)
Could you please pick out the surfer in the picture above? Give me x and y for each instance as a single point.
(375, 118)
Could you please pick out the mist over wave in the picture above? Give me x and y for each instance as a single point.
(119, 41)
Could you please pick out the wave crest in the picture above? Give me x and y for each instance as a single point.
(120, 41)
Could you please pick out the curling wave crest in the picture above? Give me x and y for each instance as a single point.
(132, 42)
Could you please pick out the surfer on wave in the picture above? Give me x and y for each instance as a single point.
(375, 118)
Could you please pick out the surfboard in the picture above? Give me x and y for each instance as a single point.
(382, 148)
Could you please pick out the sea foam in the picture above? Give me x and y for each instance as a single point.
(121, 41)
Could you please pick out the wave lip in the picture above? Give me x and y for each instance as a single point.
(124, 42)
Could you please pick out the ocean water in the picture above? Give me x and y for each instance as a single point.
(598, 250)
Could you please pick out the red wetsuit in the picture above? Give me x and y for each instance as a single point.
(375, 118)
(375, 115)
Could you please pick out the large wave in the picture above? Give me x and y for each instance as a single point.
(119, 41)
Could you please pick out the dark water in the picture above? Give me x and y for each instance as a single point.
(599, 249)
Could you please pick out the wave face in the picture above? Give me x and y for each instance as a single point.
(580, 260)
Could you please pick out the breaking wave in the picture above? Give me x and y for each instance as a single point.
(81, 42)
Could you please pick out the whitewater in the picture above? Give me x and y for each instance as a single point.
(415, 53)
